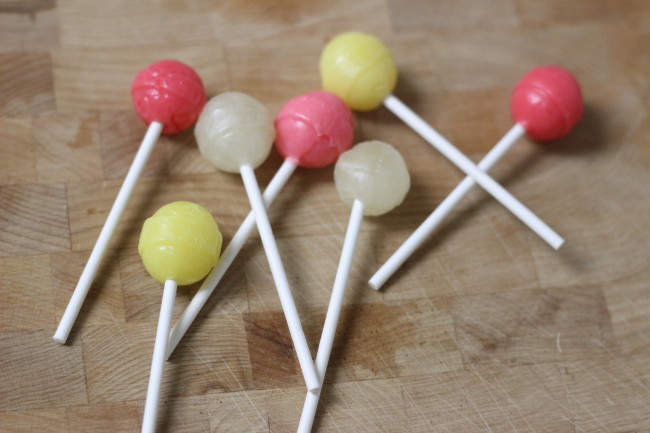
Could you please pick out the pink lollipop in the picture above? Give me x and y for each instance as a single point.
(168, 96)
(168, 92)
(312, 130)
(546, 104)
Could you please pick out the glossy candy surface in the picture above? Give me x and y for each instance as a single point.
(169, 92)
(358, 68)
(313, 129)
(235, 129)
(180, 242)
(374, 173)
(547, 102)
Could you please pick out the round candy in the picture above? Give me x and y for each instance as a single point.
(374, 173)
(358, 68)
(168, 92)
(235, 129)
(180, 242)
(547, 102)
(314, 129)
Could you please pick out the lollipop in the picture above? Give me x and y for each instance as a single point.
(312, 131)
(372, 178)
(235, 133)
(168, 96)
(360, 69)
(546, 104)
(179, 244)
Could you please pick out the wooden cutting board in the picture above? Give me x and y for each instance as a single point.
(486, 328)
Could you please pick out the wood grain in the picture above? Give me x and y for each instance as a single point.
(27, 86)
(484, 329)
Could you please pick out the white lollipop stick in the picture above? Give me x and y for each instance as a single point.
(332, 316)
(158, 359)
(440, 213)
(228, 256)
(280, 278)
(357, 175)
(470, 169)
(99, 250)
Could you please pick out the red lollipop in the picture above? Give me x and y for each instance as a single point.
(546, 104)
(169, 97)
(168, 92)
(313, 129)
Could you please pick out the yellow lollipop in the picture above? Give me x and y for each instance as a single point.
(179, 244)
(358, 68)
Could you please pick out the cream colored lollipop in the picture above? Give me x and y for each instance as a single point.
(374, 173)
(372, 178)
(235, 133)
(235, 129)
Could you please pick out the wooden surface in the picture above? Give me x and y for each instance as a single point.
(486, 328)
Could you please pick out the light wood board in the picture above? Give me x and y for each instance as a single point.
(486, 329)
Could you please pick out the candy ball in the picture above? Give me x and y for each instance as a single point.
(168, 92)
(358, 68)
(235, 129)
(374, 173)
(547, 102)
(180, 242)
(314, 129)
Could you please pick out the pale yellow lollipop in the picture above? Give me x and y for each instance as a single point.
(374, 173)
(233, 130)
(358, 68)
(180, 242)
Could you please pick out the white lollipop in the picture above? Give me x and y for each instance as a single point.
(373, 179)
(235, 130)
(235, 133)
(374, 174)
